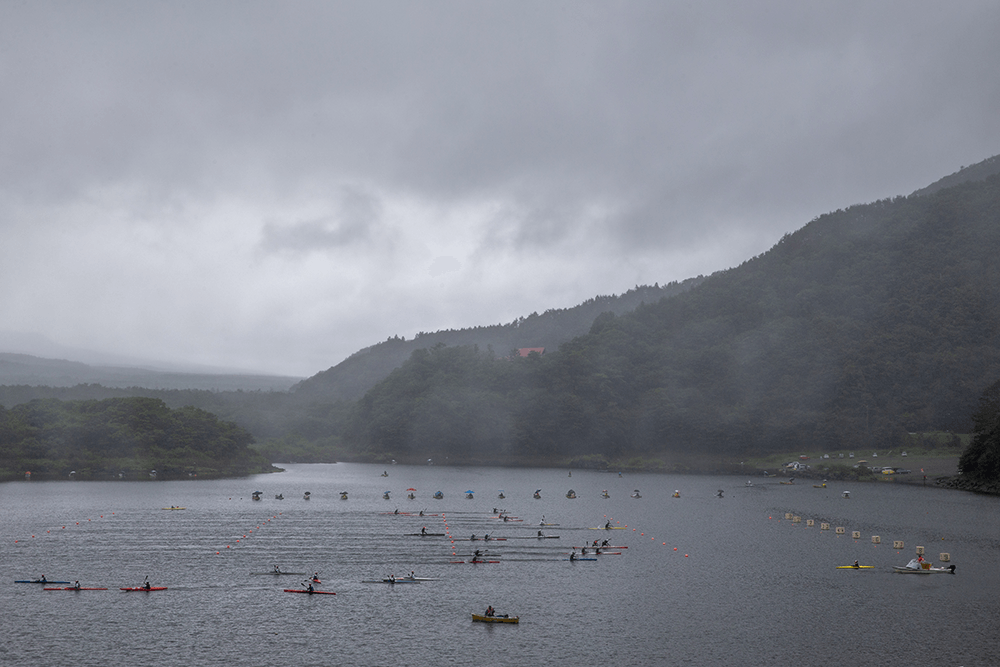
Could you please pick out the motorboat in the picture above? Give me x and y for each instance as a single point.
(916, 566)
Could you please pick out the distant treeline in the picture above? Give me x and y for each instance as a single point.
(125, 438)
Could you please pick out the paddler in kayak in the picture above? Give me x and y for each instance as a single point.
(76, 585)
(145, 586)
(607, 526)
(277, 570)
(572, 556)
(423, 531)
(421, 513)
(489, 611)
(475, 556)
(540, 533)
(856, 566)
(315, 578)
(310, 587)
(604, 543)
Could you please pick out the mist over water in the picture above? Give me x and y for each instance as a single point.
(744, 585)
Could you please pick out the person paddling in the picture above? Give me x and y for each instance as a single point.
(76, 585)
(423, 531)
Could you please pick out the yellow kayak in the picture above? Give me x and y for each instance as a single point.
(496, 619)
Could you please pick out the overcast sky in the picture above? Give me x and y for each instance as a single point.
(273, 186)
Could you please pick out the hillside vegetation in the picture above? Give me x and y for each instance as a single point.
(868, 323)
(121, 439)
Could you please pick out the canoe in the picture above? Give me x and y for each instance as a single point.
(143, 588)
(73, 588)
(933, 570)
(308, 592)
(39, 581)
(495, 619)
(300, 574)
(853, 567)
(390, 581)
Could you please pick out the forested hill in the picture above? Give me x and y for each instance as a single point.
(865, 324)
(121, 438)
(351, 378)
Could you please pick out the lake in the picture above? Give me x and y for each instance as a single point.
(704, 580)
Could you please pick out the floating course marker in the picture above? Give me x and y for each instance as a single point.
(824, 526)
(840, 530)
(876, 539)
(897, 544)
(856, 534)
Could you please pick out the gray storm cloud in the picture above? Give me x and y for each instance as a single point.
(242, 183)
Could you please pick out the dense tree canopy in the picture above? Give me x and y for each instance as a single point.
(126, 437)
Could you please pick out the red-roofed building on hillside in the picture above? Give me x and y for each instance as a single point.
(525, 351)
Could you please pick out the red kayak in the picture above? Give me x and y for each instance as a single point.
(143, 588)
(73, 588)
(309, 592)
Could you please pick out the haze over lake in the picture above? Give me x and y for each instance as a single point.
(744, 586)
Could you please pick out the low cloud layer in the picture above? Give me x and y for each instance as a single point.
(272, 186)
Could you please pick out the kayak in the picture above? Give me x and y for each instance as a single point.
(492, 539)
(390, 581)
(143, 588)
(608, 528)
(576, 559)
(606, 546)
(414, 579)
(301, 574)
(73, 588)
(495, 619)
(174, 508)
(424, 534)
(308, 592)
(855, 567)
(40, 581)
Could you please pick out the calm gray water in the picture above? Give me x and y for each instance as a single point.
(705, 580)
